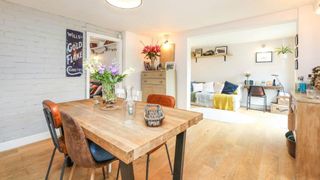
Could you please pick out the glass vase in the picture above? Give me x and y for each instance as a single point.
(129, 106)
(152, 65)
(109, 93)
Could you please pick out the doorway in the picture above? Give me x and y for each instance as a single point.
(106, 49)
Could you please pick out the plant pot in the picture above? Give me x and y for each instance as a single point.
(284, 56)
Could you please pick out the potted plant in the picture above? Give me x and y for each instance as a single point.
(151, 52)
(108, 77)
(283, 51)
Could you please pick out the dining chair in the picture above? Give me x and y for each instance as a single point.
(256, 91)
(83, 152)
(162, 100)
(53, 119)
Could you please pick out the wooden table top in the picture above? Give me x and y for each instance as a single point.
(266, 87)
(127, 140)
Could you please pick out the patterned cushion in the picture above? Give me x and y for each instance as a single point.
(229, 88)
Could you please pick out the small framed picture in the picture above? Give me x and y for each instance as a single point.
(264, 57)
(221, 50)
(170, 66)
(198, 52)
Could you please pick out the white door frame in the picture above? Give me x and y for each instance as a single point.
(88, 54)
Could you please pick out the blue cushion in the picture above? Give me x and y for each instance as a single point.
(229, 88)
(99, 154)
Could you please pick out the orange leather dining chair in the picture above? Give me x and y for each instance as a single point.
(83, 152)
(162, 100)
(53, 119)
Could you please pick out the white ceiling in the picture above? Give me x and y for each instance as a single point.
(161, 16)
(250, 35)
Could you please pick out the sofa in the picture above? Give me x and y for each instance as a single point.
(204, 94)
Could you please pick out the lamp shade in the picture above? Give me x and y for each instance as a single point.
(126, 4)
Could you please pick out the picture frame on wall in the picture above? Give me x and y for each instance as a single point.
(221, 50)
(170, 66)
(264, 57)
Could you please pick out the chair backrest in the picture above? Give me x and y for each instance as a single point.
(257, 91)
(162, 100)
(53, 119)
(76, 142)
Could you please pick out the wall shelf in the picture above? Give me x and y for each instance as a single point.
(212, 56)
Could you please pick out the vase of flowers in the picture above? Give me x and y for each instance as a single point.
(108, 77)
(151, 52)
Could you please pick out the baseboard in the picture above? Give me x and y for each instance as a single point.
(15, 143)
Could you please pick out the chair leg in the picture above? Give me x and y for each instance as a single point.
(92, 174)
(72, 171)
(118, 171)
(103, 172)
(63, 167)
(265, 104)
(50, 163)
(168, 155)
(147, 168)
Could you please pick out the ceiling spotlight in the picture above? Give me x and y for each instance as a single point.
(125, 4)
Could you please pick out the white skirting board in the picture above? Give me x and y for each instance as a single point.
(15, 143)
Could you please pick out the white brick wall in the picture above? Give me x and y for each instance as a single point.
(32, 67)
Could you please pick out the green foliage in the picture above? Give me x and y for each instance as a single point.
(107, 77)
(283, 50)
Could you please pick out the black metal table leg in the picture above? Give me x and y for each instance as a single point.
(179, 156)
(126, 171)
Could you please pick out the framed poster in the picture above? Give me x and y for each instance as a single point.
(74, 53)
(264, 57)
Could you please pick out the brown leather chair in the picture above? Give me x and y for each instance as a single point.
(83, 152)
(256, 91)
(53, 119)
(162, 100)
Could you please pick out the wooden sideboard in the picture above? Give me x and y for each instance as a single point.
(304, 121)
(158, 82)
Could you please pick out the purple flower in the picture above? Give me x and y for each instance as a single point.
(102, 68)
(114, 69)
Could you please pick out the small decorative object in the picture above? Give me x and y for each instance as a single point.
(147, 66)
(151, 52)
(247, 75)
(315, 80)
(198, 52)
(108, 77)
(264, 57)
(153, 115)
(129, 106)
(283, 51)
(221, 50)
(208, 53)
(170, 66)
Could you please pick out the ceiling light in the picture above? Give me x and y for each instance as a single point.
(126, 4)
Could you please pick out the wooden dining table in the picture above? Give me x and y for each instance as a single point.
(128, 140)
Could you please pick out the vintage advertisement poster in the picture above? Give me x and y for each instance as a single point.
(74, 53)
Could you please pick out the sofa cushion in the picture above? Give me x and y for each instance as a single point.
(197, 87)
(218, 87)
(229, 88)
(208, 87)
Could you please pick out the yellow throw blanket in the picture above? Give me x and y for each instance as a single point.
(223, 101)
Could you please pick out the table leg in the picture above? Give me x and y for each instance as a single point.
(126, 171)
(179, 156)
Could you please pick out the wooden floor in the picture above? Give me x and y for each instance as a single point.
(214, 150)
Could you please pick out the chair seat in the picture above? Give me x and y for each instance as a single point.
(99, 154)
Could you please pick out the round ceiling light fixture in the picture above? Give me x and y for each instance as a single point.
(125, 4)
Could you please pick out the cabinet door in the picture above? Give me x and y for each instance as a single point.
(152, 89)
